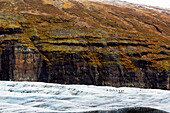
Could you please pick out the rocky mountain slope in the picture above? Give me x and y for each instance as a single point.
(84, 42)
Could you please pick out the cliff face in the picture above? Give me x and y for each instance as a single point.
(84, 42)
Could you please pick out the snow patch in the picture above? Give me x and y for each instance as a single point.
(156, 3)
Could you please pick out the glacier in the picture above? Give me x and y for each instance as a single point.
(50, 97)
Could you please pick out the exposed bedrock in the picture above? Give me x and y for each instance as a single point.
(20, 63)
(24, 64)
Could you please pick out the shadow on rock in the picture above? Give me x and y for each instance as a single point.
(131, 110)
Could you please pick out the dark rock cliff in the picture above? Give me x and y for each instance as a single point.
(24, 64)
(107, 45)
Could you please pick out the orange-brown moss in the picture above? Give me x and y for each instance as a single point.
(124, 34)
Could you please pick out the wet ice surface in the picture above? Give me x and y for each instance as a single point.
(45, 97)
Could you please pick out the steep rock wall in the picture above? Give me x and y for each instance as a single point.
(24, 64)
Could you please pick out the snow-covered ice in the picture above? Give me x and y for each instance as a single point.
(46, 97)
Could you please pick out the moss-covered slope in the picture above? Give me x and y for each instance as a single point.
(66, 41)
